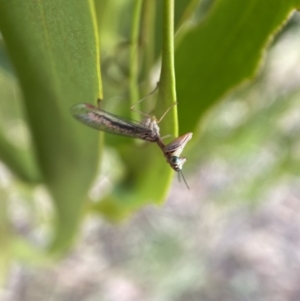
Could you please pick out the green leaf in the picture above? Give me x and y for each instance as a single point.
(223, 51)
(15, 149)
(54, 49)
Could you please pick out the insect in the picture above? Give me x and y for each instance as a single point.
(147, 130)
(172, 152)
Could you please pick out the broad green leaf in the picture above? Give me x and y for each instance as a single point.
(223, 51)
(54, 50)
(15, 149)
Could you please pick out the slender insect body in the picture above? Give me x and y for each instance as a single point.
(101, 120)
(147, 130)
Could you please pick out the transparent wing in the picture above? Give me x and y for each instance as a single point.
(109, 123)
(176, 146)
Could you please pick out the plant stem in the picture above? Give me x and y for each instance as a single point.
(134, 55)
(167, 86)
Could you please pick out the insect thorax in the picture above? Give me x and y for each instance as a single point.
(151, 123)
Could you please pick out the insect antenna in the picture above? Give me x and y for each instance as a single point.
(180, 175)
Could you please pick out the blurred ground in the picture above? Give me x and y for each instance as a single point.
(191, 249)
(234, 236)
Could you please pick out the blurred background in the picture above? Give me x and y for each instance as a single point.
(234, 236)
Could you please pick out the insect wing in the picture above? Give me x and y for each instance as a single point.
(175, 147)
(110, 123)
